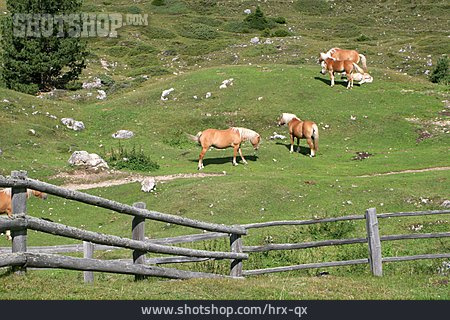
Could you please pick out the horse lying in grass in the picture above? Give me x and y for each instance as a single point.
(222, 139)
(5, 203)
(331, 65)
(343, 55)
(301, 130)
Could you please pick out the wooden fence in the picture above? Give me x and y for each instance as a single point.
(46, 257)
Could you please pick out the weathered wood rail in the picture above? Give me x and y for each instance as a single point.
(140, 266)
(21, 258)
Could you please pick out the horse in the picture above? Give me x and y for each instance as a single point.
(5, 203)
(222, 139)
(331, 65)
(341, 54)
(301, 130)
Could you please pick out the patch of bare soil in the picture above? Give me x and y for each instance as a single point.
(84, 180)
(405, 171)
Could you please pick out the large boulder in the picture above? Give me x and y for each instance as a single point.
(89, 160)
(148, 184)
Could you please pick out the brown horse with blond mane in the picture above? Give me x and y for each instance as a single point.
(5, 202)
(222, 139)
(301, 130)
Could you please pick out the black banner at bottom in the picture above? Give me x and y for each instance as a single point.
(223, 309)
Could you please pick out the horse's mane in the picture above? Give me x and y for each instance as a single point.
(332, 50)
(246, 134)
(287, 117)
(6, 191)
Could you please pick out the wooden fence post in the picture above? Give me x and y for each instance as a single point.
(373, 238)
(19, 208)
(138, 233)
(88, 252)
(236, 247)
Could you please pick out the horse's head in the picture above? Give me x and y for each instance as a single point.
(39, 194)
(255, 141)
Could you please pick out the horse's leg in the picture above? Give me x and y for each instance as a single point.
(200, 159)
(8, 235)
(292, 142)
(311, 146)
(332, 78)
(235, 151)
(298, 145)
(242, 157)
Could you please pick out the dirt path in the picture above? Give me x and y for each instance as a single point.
(79, 181)
(405, 171)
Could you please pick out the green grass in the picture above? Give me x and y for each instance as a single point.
(275, 185)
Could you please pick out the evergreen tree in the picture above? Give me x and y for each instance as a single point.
(31, 63)
(257, 20)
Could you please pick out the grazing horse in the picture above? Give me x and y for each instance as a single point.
(301, 130)
(341, 54)
(222, 139)
(331, 65)
(5, 203)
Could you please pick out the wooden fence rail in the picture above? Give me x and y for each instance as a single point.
(140, 266)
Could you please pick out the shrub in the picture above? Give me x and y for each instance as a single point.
(198, 31)
(132, 160)
(237, 26)
(362, 38)
(281, 33)
(158, 2)
(106, 80)
(134, 10)
(440, 73)
(280, 20)
(158, 33)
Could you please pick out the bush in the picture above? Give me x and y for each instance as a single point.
(158, 2)
(280, 20)
(237, 26)
(158, 33)
(198, 31)
(281, 33)
(440, 73)
(362, 38)
(132, 160)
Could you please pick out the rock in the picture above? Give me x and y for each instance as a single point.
(254, 40)
(123, 134)
(1, 152)
(208, 95)
(32, 132)
(148, 184)
(247, 11)
(73, 124)
(166, 93)
(97, 83)
(277, 136)
(268, 41)
(226, 83)
(91, 160)
(101, 95)
(445, 204)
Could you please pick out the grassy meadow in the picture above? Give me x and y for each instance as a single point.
(401, 120)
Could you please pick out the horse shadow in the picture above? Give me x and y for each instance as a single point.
(341, 82)
(303, 150)
(224, 160)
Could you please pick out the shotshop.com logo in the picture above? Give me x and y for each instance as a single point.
(76, 25)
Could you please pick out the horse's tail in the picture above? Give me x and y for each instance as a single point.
(195, 138)
(363, 62)
(315, 136)
(358, 68)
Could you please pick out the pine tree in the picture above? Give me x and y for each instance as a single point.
(257, 20)
(30, 63)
